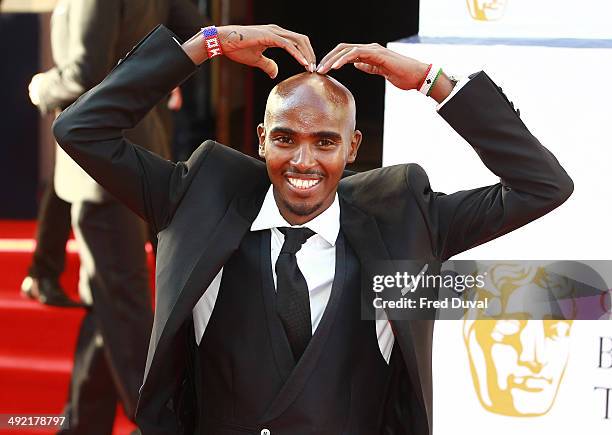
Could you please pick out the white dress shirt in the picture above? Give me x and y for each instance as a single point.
(316, 260)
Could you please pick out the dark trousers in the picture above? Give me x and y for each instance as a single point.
(52, 233)
(112, 346)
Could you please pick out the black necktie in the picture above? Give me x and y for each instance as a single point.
(292, 300)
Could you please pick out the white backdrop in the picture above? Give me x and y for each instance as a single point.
(566, 109)
(564, 98)
(585, 19)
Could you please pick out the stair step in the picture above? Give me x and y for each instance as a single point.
(37, 342)
(34, 386)
(21, 229)
(32, 329)
(16, 258)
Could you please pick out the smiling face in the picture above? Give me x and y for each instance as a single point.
(307, 138)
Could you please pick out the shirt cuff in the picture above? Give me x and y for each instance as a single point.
(461, 83)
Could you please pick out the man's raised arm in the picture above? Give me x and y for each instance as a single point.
(532, 182)
(91, 129)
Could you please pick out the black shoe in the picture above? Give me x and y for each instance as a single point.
(48, 292)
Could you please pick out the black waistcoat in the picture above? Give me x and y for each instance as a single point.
(248, 379)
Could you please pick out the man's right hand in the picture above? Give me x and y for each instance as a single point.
(246, 44)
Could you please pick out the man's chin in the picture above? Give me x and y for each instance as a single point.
(302, 209)
(296, 208)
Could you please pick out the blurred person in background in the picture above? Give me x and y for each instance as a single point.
(88, 37)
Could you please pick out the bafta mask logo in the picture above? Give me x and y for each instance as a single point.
(517, 350)
(487, 10)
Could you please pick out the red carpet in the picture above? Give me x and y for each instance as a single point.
(37, 342)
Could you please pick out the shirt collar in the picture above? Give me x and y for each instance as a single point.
(326, 224)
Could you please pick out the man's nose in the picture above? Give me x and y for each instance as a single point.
(303, 158)
(533, 345)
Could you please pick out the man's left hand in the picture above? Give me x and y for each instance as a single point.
(402, 71)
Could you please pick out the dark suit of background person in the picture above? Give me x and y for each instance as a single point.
(203, 209)
(76, 70)
(88, 38)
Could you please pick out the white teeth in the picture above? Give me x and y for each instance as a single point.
(302, 184)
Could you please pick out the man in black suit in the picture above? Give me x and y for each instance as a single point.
(278, 248)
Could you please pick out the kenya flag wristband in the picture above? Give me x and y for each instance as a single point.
(424, 77)
(211, 37)
(430, 79)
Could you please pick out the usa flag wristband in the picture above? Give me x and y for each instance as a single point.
(211, 38)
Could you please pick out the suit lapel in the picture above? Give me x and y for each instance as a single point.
(223, 242)
(363, 234)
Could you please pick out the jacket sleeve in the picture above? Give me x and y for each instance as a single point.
(532, 182)
(91, 129)
(93, 32)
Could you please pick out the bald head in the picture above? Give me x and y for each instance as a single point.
(308, 93)
(307, 139)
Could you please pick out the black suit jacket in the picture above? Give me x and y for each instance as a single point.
(201, 209)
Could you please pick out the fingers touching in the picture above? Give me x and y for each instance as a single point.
(247, 44)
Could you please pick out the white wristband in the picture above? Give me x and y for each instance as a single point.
(429, 81)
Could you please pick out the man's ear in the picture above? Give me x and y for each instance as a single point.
(261, 135)
(354, 146)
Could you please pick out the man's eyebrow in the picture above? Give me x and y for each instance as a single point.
(329, 135)
(326, 134)
(283, 130)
